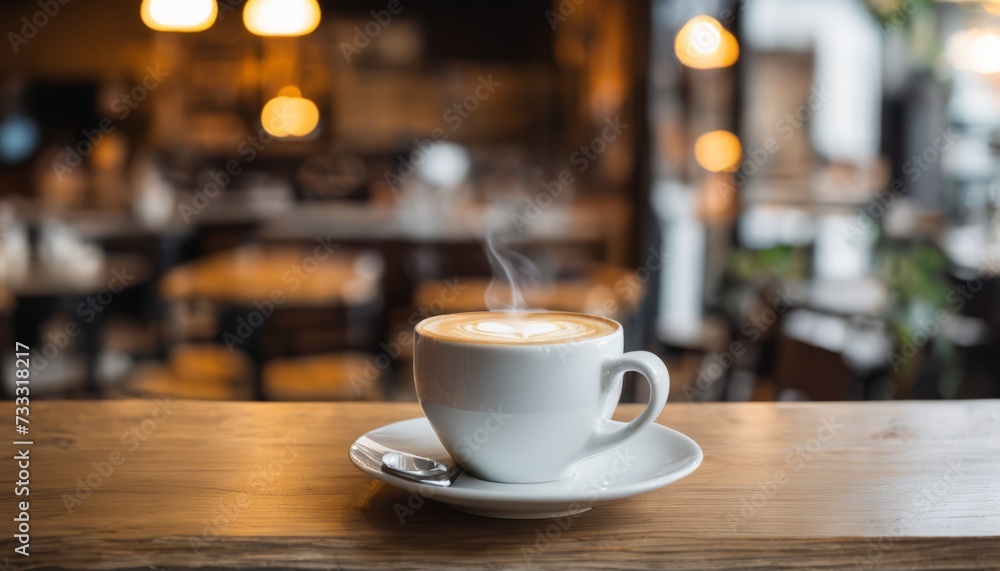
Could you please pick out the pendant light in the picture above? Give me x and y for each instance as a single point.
(281, 17)
(178, 15)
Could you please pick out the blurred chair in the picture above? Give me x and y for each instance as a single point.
(138, 320)
(821, 356)
(804, 370)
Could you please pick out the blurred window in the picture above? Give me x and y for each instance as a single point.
(847, 44)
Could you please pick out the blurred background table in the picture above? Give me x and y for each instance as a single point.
(287, 303)
(898, 485)
(78, 300)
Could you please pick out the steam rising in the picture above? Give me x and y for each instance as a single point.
(512, 272)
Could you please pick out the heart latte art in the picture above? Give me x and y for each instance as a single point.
(516, 328)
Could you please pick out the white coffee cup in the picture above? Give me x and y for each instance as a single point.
(527, 411)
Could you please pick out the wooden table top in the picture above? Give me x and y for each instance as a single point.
(891, 485)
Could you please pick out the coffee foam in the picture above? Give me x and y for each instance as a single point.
(520, 328)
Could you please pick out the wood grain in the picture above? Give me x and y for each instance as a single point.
(901, 485)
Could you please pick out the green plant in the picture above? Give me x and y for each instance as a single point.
(915, 275)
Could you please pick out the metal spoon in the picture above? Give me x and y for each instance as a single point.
(419, 469)
(435, 472)
(418, 466)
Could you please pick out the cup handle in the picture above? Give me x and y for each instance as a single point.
(648, 365)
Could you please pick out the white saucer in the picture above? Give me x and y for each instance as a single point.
(655, 458)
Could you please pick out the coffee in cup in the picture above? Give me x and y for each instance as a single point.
(520, 397)
(521, 328)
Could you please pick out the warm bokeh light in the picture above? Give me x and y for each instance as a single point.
(702, 43)
(976, 50)
(281, 17)
(718, 151)
(178, 15)
(289, 114)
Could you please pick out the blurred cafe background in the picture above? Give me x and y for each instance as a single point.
(227, 199)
